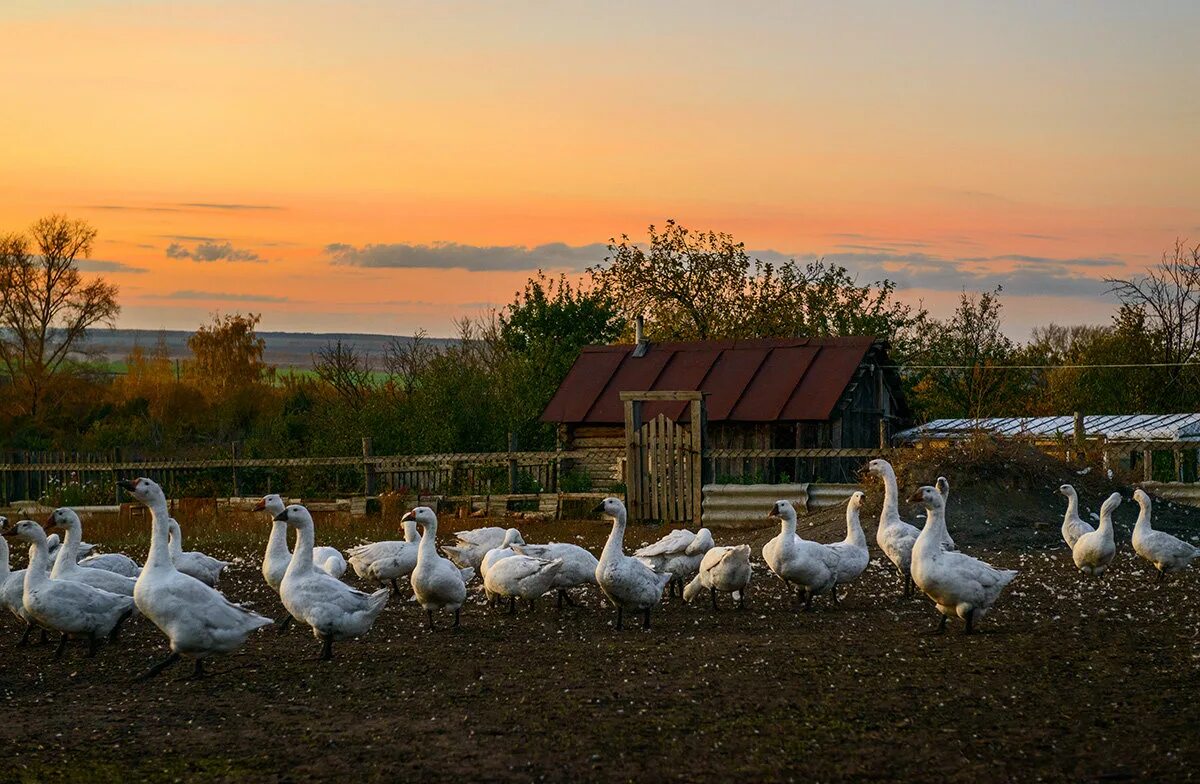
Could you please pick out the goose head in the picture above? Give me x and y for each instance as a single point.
(879, 467)
(1067, 490)
(295, 515)
(928, 496)
(145, 490)
(27, 531)
(63, 518)
(943, 486)
(270, 503)
(856, 499)
(783, 509)
(613, 507)
(1142, 498)
(1112, 502)
(512, 536)
(424, 517)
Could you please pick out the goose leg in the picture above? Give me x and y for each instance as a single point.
(941, 628)
(198, 669)
(512, 605)
(27, 634)
(646, 618)
(93, 645)
(567, 595)
(159, 667)
(742, 599)
(44, 638)
(62, 646)
(834, 593)
(808, 597)
(283, 623)
(395, 588)
(326, 648)
(457, 618)
(713, 594)
(970, 622)
(116, 630)
(1160, 575)
(560, 598)
(430, 614)
(619, 617)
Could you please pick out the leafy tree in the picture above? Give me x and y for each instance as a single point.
(227, 354)
(701, 286)
(345, 369)
(46, 306)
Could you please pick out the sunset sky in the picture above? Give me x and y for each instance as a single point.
(386, 166)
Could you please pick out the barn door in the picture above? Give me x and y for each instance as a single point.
(663, 459)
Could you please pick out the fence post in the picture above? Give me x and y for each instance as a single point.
(1178, 454)
(883, 433)
(1147, 465)
(116, 473)
(368, 467)
(233, 456)
(512, 462)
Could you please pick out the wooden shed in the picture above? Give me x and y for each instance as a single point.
(758, 395)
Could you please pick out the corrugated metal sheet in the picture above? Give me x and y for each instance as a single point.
(1125, 427)
(786, 379)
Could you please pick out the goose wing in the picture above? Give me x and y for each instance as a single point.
(675, 542)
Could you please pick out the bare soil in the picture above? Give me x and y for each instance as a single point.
(1069, 680)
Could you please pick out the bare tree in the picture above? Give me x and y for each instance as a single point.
(405, 359)
(1169, 294)
(46, 307)
(345, 369)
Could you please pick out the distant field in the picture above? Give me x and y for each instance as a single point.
(285, 350)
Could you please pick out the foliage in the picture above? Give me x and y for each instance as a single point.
(227, 353)
(46, 306)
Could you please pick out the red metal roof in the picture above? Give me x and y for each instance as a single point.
(768, 380)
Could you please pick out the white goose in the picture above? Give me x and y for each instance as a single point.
(678, 553)
(278, 556)
(71, 608)
(960, 586)
(333, 610)
(520, 577)
(385, 562)
(471, 546)
(67, 568)
(53, 542)
(1073, 526)
(198, 621)
(579, 566)
(853, 555)
(12, 587)
(809, 565)
(627, 582)
(1093, 551)
(894, 536)
(436, 581)
(725, 569)
(203, 567)
(1167, 553)
(117, 563)
(511, 536)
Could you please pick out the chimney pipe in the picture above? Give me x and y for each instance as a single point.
(639, 333)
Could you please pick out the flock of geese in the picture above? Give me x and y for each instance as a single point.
(79, 595)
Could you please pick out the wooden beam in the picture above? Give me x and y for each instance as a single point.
(626, 396)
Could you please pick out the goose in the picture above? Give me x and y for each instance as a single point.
(627, 582)
(1093, 551)
(725, 569)
(943, 486)
(53, 542)
(853, 555)
(520, 577)
(471, 546)
(511, 536)
(809, 565)
(385, 562)
(12, 587)
(1073, 527)
(579, 566)
(959, 585)
(332, 609)
(894, 536)
(117, 563)
(678, 553)
(1167, 553)
(278, 556)
(197, 619)
(436, 581)
(73, 609)
(67, 568)
(203, 567)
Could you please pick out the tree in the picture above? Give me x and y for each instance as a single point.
(228, 354)
(967, 354)
(343, 367)
(1169, 297)
(46, 306)
(703, 286)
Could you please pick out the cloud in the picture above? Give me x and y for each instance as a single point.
(453, 255)
(186, 206)
(212, 251)
(235, 297)
(99, 265)
(189, 238)
(205, 205)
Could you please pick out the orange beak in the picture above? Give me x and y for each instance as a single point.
(261, 506)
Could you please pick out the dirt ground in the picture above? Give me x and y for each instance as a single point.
(1069, 680)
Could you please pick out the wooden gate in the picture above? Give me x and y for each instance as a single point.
(663, 459)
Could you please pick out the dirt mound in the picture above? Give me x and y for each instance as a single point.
(1004, 493)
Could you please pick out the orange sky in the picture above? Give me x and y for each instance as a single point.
(220, 147)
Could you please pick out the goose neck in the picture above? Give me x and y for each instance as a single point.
(427, 543)
(891, 504)
(854, 531)
(39, 562)
(69, 552)
(1143, 520)
(615, 546)
(302, 556)
(5, 568)
(160, 533)
(277, 542)
(1072, 508)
